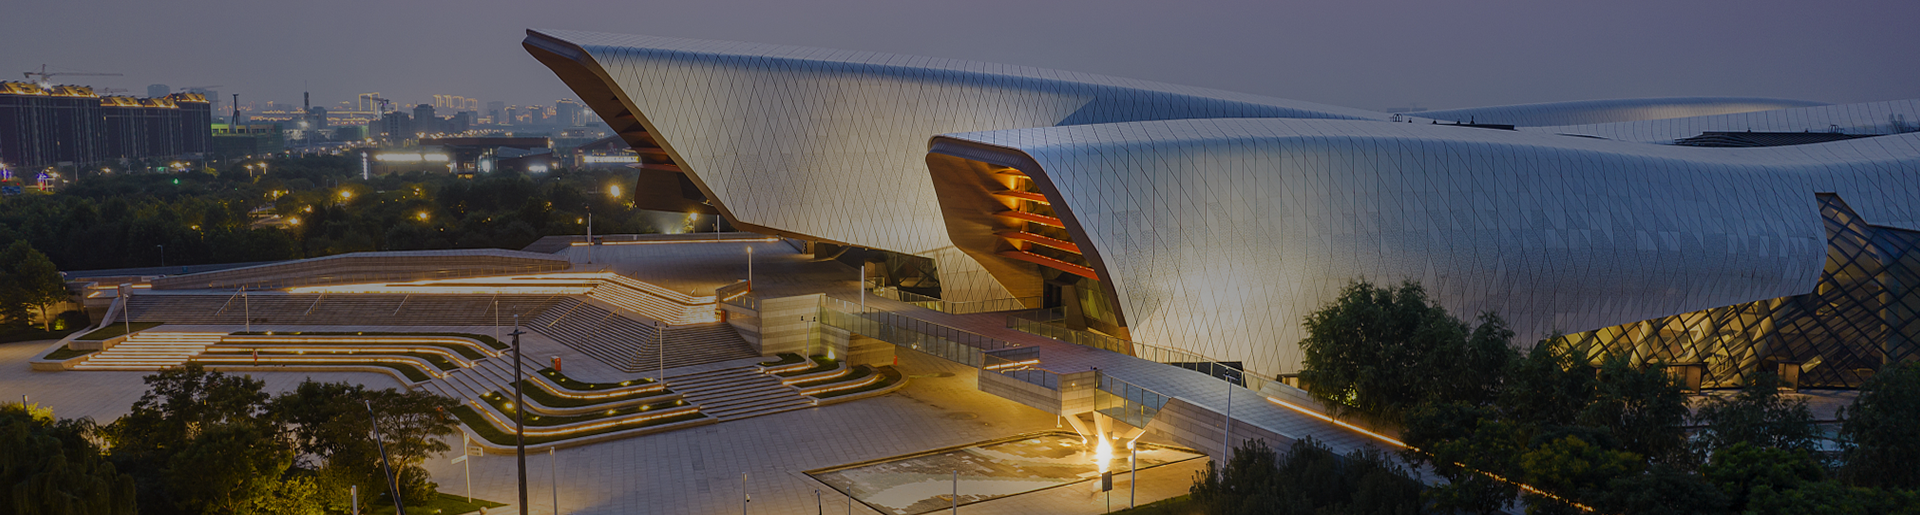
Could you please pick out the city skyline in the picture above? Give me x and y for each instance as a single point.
(1375, 56)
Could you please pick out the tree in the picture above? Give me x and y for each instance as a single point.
(49, 467)
(328, 423)
(28, 279)
(1640, 407)
(182, 405)
(1381, 351)
(1880, 431)
(1308, 479)
(1759, 416)
(228, 469)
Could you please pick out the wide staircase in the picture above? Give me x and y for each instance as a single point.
(151, 351)
(737, 393)
(707, 343)
(631, 343)
(336, 309)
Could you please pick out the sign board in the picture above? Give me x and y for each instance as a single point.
(460, 459)
(9, 190)
(1106, 481)
(475, 450)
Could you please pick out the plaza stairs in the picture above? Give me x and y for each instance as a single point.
(151, 351)
(221, 308)
(737, 393)
(630, 342)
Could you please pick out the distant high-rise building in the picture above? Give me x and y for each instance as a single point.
(423, 119)
(496, 111)
(396, 127)
(73, 125)
(317, 118)
(512, 116)
(158, 90)
(460, 122)
(566, 112)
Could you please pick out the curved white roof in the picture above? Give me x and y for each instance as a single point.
(1863, 118)
(1610, 111)
(1213, 233)
(831, 144)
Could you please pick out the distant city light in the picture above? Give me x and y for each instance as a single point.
(614, 190)
(346, 194)
(421, 215)
(409, 157)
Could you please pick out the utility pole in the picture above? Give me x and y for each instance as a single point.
(399, 508)
(956, 493)
(519, 415)
(1133, 473)
(1226, 427)
(744, 496)
(554, 461)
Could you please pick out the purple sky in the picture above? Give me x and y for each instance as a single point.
(1358, 53)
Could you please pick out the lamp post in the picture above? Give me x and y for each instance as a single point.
(749, 268)
(163, 254)
(519, 415)
(399, 508)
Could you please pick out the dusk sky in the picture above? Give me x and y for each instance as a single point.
(1366, 54)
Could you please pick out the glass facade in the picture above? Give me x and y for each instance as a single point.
(1859, 318)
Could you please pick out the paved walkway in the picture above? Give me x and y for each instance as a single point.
(696, 471)
(1060, 357)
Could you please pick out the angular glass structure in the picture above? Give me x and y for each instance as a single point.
(1859, 319)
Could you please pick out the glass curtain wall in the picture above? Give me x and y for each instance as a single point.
(1859, 319)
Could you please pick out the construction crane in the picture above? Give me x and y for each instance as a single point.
(383, 103)
(46, 76)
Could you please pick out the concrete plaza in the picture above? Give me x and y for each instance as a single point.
(696, 471)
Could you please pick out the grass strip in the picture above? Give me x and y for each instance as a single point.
(501, 402)
(413, 373)
(545, 398)
(112, 330)
(786, 358)
(858, 373)
(24, 334)
(438, 361)
(583, 386)
(441, 504)
(485, 429)
(67, 352)
(890, 376)
(820, 364)
(464, 350)
(1182, 505)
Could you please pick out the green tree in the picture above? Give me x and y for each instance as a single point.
(1308, 479)
(28, 278)
(181, 406)
(1467, 445)
(50, 467)
(1880, 431)
(329, 425)
(1382, 351)
(1640, 407)
(1759, 416)
(228, 469)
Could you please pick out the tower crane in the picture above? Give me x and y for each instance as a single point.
(46, 76)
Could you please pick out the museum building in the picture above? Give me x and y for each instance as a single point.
(1718, 236)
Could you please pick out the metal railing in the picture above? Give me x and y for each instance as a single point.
(951, 344)
(953, 307)
(1018, 363)
(1128, 402)
(1043, 322)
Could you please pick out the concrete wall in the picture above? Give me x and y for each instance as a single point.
(862, 350)
(787, 324)
(1006, 387)
(1199, 428)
